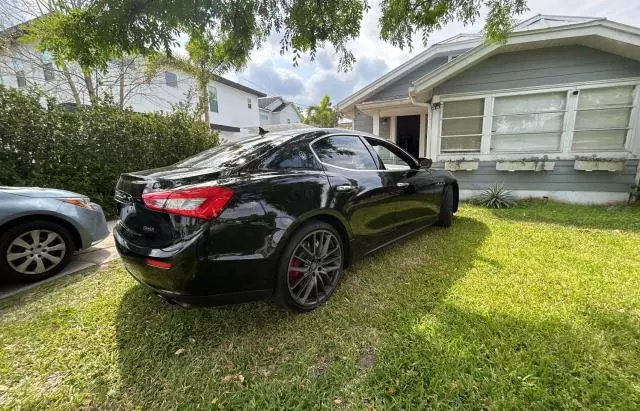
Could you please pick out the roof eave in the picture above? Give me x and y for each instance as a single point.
(346, 103)
(454, 67)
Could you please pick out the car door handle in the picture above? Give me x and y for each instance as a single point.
(345, 187)
(402, 184)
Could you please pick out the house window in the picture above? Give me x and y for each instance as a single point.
(530, 122)
(602, 118)
(249, 102)
(49, 72)
(288, 121)
(21, 78)
(171, 79)
(462, 126)
(264, 116)
(213, 99)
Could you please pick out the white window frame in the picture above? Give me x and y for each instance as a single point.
(171, 83)
(48, 71)
(490, 134)
(566, 140)
(482, 131)
(209, 88)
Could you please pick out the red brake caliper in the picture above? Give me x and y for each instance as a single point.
(294, 275)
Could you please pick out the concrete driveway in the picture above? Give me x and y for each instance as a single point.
(100, 254)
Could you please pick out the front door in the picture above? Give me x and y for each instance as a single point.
(365, 194)
(408, 134)
(417, 200)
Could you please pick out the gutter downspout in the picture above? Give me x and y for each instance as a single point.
(414, 102)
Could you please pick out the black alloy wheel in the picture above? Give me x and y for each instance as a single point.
(311, 267)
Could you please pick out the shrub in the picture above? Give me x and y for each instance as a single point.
(43, 144)
(496, 196)
(634, 193)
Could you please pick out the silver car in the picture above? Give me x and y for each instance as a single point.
(41, 228)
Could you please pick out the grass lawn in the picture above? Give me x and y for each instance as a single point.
(536, 307)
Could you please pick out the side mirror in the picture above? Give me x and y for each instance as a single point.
(425, 163)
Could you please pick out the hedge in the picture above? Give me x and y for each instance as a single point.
(43, 144)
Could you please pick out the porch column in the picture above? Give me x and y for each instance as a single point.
(435, 133)
(393, 129)
(376, 123)
(422, 145)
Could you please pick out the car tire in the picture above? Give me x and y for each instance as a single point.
(324, 271)
(446, 208)
(25, 259)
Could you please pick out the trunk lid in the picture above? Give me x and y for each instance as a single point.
(155, 229)
(150, 228)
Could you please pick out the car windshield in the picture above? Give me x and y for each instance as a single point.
(236, 153)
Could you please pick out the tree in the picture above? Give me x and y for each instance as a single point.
(68, 81)
(205, 59)
(93, 34)
(322, 115)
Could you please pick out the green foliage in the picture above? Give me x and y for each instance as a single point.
(527, 308)
(104, 29)
(401, 19)
(496, 196)
(85, 151)
(634, 193)
(322, 115)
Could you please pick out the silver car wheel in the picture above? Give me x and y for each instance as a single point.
(36, 252)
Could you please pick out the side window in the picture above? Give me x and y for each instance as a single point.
(391, 157)
(294, 157)
(344, 151)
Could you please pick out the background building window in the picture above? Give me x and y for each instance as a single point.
(249, 102)
(602, 118)
(49, 72)
(462, 126)
(21, 79)
(171, 79)
(530, 122)
(264, 116)
(213, 99)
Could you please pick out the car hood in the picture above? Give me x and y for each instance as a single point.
(37, 192)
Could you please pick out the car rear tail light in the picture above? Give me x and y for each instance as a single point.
(199, 202)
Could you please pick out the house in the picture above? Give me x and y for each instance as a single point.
(233, 107)
(553, 112)
(275, 110)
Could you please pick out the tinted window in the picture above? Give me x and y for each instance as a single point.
(296, 156)
(390, 156)
(344, 151)
(235, 154)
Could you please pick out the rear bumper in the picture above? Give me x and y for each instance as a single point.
(194, 278)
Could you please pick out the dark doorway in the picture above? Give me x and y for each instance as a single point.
(408, 134)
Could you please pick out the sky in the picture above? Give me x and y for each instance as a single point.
(305, 84)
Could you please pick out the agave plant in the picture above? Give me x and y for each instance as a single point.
(496, 196)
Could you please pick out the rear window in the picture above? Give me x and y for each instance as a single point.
(235, 154)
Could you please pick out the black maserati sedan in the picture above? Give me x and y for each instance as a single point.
(278, 215)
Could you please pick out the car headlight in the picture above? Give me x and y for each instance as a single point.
(79, 202)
